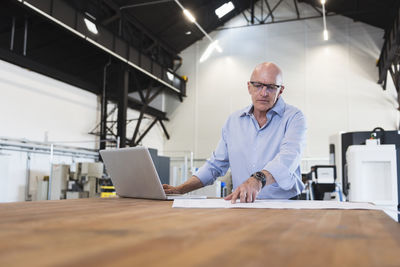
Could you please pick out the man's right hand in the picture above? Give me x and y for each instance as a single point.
(169, 189)
(192, 184)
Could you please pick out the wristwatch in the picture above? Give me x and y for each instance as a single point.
(260, 176)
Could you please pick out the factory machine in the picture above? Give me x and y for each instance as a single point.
(339, 143)
(368, 166)
(87, 179)
(63, 183)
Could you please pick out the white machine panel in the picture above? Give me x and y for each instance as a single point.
(372, 174)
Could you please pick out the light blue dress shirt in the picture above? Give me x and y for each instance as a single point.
(246, 148)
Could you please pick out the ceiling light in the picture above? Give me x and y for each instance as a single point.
(326, 37)
(170, 76)
(188, 33)
(224, 9)
(325, 33)
(217, 47)
(91, 26)
(214, 44)
(210, 48)
(189, 15)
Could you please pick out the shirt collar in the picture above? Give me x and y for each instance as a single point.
(278, 108)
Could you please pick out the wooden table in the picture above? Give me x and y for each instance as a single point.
(133, 232)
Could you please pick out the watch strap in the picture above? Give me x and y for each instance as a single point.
(260, 176)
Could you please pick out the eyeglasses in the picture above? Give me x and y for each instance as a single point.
(271, 88)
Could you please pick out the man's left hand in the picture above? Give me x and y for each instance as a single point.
(247, 192)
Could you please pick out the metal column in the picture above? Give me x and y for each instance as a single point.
(103, 116)
(122, 104)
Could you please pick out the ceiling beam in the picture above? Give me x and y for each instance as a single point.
(47, 70)
(139, 26)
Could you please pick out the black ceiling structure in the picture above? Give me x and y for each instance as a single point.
(378, 13)
(161, 21)
(139, 41)
(389, 58)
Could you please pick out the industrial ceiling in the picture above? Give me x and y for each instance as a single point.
(378, 13)
(143, 39)
(157, 30)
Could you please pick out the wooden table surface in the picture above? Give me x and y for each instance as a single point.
(134, 232)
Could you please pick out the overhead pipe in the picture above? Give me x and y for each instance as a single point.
(12, 34)
(25, 36)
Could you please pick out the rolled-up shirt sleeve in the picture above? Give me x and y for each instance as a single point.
(285, 163)
(217, 165)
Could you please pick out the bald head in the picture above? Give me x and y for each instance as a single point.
(267, 72)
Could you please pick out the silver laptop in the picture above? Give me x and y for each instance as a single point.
(133, 174)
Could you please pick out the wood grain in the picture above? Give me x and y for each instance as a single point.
(135, 232)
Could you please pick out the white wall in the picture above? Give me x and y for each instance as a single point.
(333, 82)
(32, 104)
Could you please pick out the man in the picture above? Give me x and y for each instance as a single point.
(262, 145)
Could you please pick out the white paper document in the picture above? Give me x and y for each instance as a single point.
(272, 204)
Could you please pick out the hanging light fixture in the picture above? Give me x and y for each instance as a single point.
(170, 76)
(90, 25)
(189, 15)
(213, 43)
(325, 32)
(209, 50)
(224, 9)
